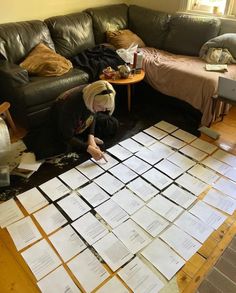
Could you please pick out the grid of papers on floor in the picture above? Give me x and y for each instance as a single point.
(139, 213)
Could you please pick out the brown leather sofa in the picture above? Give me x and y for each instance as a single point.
(68, 35)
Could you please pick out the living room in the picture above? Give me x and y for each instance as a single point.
(18, 275)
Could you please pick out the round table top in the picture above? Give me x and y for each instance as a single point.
(133, 78)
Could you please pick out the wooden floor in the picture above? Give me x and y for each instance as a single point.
(16, 277)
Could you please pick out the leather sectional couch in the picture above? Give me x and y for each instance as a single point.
(68, 35)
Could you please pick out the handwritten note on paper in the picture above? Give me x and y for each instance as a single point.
(23, 233)
(173, 142)
(157, 178)
(144, 138)
(163, 150)
(140, 278)
(131, 145)
(59, 280)
(225, 157)
(113, 251)
(88, 270)
(204, 174)
(184, 135)
(41, 259)
(54, 188)
(226, 186)
(124, 173)
(90, 228)
(164, 258)
(90, 169)
(109, 183)
(216, 165)
(155, 132)
(32, 200)
(9, 213)
(204, 146)
(149, 156)
(193, 153)
(231, 174)
(166, 126)
(73, 178)
(182, 161)
(169, 168)
(49, 218)
(67, 242)
(106, 165)
(113, 285)
(119, 152)
(137, 165)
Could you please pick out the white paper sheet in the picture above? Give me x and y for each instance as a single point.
(23, 233)
(144, 138)
(41, 259)
(60, 281)
(119, 152)
(226, 186)
(225, 157)
(67, 243)
(193, 153)
(132, 235)
(231, 174)
(113, 251)
(28, 162)
(169, 168)
(142, 188)
(216, 165)
(109, 183)
(179, 195)
(181, 242)
(157, 178)
(93, 194)
(151, 222)
(166, 126)
(220, 201)
(192, 184)
(165, 207)
(163, 258)
(204, 174)
(112, 213)
(106, 165)
(182, 161)
(90, 169)
(194, 227)
(184, 135)
(74, 206)
(140, 278)
(162, 149)
(90, 228)
(208, 214)
(155, 132)
(9, 213)
(137, 165)
(113, 285)
(204, 146)
(128, 201)
(122, 172)
(73, 178)
(149, 156)
(131, 145)
(32, 200)
(88, 270)
(50, 218)
(54, 188)
(173, 142)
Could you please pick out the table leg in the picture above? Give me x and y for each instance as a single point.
(129, 96)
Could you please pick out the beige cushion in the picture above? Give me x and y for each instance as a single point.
(43, 61)
(123, 39)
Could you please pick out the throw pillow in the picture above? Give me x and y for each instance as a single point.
(43, 61)
(123, 39)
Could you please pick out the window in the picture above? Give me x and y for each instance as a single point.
(216, 7)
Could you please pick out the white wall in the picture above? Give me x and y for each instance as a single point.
(170, 6)
(17, 10)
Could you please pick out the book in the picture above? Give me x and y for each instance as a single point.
(217, 67)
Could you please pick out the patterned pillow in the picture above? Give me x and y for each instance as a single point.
(123, 39)
(43, 61)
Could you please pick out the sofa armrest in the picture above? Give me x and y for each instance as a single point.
(12, 76)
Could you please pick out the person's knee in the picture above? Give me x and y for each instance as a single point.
(106, 125)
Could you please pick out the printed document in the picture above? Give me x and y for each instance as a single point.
(216, 165)
(192, 184)
(124, 173)
(204, 174)
(113, 285)
(54, 188)
(119, 152)
(140, 278)
(88, 270)
(90, 228)
(41, 259)
(182, 161)
(184, 135)
(225, 157)
(73, 178)
(32, 200)
(90, 169)
(131, 145)
(164, 258)
(9, 213)
(166, 126)
(142, 188)
(113, 251)
(163, 150)
(109, 183)
(204, 146)
(169, 168)
(137, 165)
(67, 243)
(193, 153)
(157, 178)
(173, 142)
(144, 138)
(23, 233)
(231, 174)
(155, 132)
(149, 156)
(226, 186)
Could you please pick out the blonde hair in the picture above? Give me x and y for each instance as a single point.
(93, 94)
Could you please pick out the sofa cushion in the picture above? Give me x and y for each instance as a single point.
(71, 33)
(19, 38)
(150, 25)
(108, 18)
(188, 33)
(43, 61)
(124, 39)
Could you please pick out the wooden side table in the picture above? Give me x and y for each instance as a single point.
(134, 78)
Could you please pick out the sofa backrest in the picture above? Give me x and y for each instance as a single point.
(150, 25)
(187, 33)
(17, 39)
(71, 33)
(105, 18)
